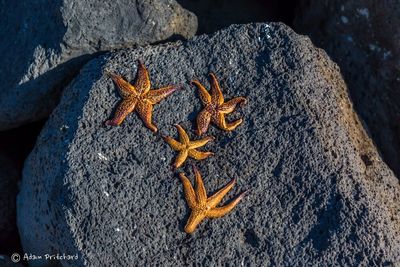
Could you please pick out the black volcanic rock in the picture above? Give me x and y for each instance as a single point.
(9, 176)
(320, 193)
(47, 41)
(363, 37)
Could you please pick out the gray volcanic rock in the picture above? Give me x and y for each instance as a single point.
(47, 41)
(320, 194)
(363, 37)
(9, 176)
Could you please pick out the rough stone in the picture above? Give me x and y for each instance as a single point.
(47, 41)
(363, 37)
(320, 193)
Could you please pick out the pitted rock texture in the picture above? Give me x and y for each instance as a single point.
(320, 194)
(363, 37)
(46, 42)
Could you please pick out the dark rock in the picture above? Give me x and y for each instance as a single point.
(214, 15)
(5, 261)
(9, 176)
(47, 41)
(363, 37)
(15, 146)
(110, 195)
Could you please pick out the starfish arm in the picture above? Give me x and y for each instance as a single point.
(221, 123)
(123, 109)
(175, 145)
(200, 189)
(204, 95)
(143, 79)
(180, 159)
(217, 197)
(198, 155)
(183, 137)
(125, 89)
(194, 220)
(216, 94)
(188, 190)
(145, 110)
(229, 106)
(203, 121)
(201, 142)
(155, 96)
(221, 211)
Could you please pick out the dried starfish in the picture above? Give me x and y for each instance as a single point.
(202, 206)
(139, 97)
(215, 107)
(186, 147)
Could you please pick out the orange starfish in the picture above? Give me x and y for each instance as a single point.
(187, 148)
(139, 97)
(215, 107)
(202, 206)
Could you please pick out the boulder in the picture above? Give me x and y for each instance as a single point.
(363, 37)
(9, 176)
(15, 146)
(319, 192)
(46, 42)
(214, 15)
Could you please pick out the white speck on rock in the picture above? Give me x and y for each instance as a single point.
(374, 47)
(344, 19)
(266, 30)
(363, 12)
(349, 38)
(117, 229)
(387, 54)
(107, 194)
(64, 127)
(102, 157)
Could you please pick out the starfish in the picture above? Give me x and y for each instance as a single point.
(187, 148)
(138, 97)
(215, 107)
(202, 206)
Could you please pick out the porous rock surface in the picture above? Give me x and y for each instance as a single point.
(320, 194)
(47, 41)
(363, 37)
